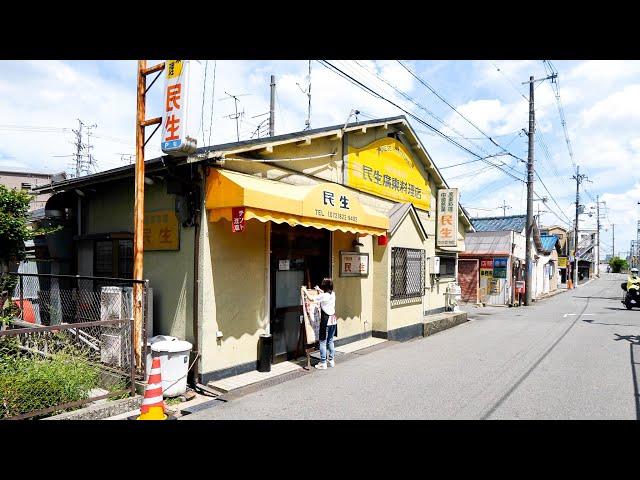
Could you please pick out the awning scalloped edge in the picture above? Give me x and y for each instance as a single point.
(293, 220)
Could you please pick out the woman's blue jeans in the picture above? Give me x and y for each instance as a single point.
(331, 330)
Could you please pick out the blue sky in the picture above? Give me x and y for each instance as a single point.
(600, 101)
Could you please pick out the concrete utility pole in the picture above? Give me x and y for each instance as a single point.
(578, 177)
(613, 244)
(529, 228)
(272, 107)
(138, 213)
(598, 235)
(504, 207)
(528, 279)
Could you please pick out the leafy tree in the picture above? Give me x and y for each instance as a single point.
(618, 264)
(14, 230)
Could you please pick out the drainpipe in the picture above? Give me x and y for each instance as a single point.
(196, 285)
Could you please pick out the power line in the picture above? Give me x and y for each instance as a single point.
(432, 90)
(372, 92)
(422, 107)
(213, 91)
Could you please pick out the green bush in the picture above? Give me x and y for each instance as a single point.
(618, 264)
(29, 383)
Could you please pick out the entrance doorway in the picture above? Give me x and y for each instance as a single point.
(299, 256)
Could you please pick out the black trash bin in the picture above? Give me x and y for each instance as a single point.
(265, 351)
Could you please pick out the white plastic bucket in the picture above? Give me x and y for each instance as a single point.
(150, 342)
(174, 365)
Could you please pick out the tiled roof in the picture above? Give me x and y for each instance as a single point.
(549, 241)
(499, 224)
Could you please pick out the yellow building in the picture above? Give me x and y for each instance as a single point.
(260, 218)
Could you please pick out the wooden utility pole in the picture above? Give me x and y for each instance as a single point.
(138, 213)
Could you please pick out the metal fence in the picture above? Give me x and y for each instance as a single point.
(49, 369)
(49, 300)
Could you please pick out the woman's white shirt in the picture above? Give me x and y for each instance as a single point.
(327, 301)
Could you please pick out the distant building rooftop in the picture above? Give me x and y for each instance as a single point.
(548, 241)
(499, 224)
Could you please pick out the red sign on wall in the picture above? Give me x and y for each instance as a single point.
(237, 224)
(486, 263)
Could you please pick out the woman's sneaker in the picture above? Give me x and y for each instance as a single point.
(321, 366)
(332, 363)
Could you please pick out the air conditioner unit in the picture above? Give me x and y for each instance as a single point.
(434, 265)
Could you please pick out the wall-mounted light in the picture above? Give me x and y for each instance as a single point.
(356, 243)
(79, 192)
(148, 181)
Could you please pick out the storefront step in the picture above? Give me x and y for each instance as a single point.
(244, 379)
(437, 323)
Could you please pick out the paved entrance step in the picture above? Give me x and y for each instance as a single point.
(436, 323)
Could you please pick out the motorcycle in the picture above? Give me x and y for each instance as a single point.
(632, 296)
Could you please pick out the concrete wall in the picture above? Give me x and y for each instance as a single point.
(234, 286)
(405, 312)
(354, 295)
(170, 273)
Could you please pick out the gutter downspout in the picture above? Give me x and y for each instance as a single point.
(195, 374)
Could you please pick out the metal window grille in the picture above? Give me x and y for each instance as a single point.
(407, 273)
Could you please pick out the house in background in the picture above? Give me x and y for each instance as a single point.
(494, 260)
(563, 246)
(26, 181)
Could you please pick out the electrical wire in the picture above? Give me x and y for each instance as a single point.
(372, 92)
(432, 90)
(213, 99)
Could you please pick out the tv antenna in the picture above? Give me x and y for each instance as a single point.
(236, 116)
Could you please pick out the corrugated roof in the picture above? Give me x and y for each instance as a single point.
(549, 241)
(499, 224)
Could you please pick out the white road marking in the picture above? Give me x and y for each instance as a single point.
(571, 314)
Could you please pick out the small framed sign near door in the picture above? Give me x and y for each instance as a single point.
(354, 264)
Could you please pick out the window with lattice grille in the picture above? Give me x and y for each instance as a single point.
(407, 272)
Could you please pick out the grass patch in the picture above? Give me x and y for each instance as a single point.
(29, 383)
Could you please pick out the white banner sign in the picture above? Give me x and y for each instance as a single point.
(182, 107)
(447, 233)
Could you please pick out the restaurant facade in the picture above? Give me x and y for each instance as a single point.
(233, 231)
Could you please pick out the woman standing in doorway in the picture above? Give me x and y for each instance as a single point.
(328, 322)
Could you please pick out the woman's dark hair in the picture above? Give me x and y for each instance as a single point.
(327, 285)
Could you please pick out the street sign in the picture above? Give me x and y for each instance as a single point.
(182, 107)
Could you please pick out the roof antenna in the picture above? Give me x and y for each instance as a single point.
(351, 114)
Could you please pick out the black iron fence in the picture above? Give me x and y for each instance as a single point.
(49, 369)
(50, 300)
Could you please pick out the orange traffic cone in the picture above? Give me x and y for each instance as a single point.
(153, 403)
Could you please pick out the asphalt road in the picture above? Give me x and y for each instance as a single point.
(572, 356)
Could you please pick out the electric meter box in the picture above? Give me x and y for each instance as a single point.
(434, 265)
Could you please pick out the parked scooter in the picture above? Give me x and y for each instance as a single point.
(632, 289)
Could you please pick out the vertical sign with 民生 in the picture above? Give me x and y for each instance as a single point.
(237, 222)
(447, 233)
(182, 107)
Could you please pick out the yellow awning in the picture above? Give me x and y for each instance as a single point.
(327, 205)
